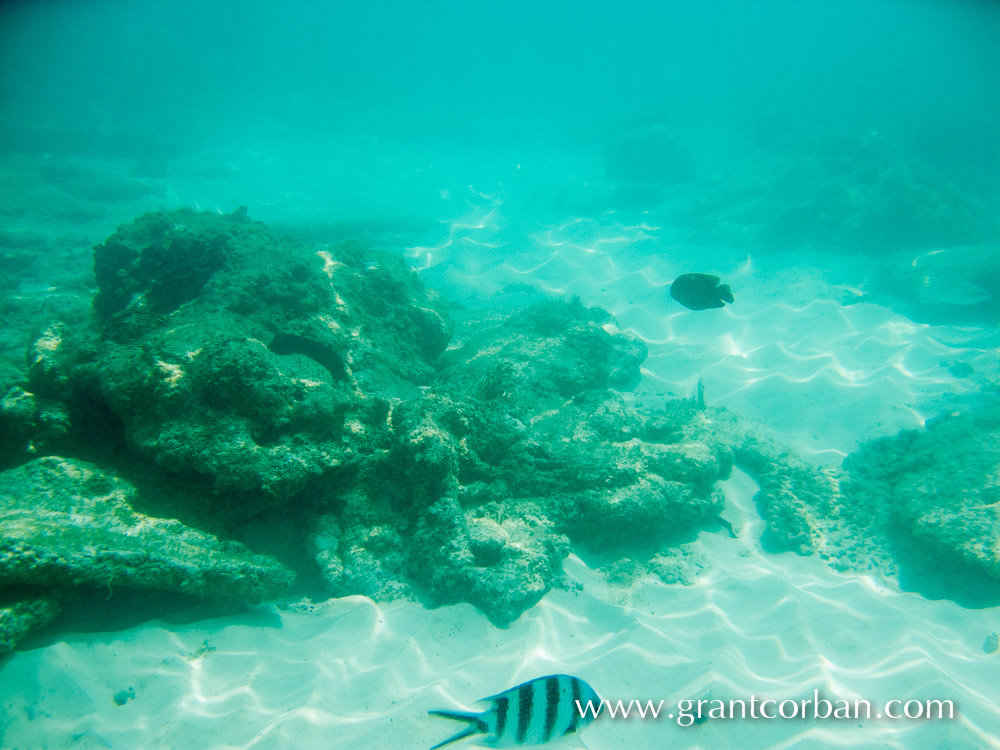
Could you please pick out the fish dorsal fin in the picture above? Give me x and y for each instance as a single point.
(505, 694)
(511, 692)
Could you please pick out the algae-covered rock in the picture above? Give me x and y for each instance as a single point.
(19, 618)
(17, 421)
(806, 509)
(613, 482)
(432, 518)
(30, 426)
(67, 523)
(924, 504)
(369, 560)
(281, 370)
(678, 565)
(518, 450)
(501, 558)
(501, 563)
(551, 352)
(539, 420)
(940, 488)
(260, 362)
(681, 565)
(316, 378)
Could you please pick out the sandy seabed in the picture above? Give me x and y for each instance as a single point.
(353, 673)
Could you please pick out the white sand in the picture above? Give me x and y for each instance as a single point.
(351, 673)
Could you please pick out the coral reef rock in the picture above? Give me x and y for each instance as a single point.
(244, 374)
(924, 504)
(20, 617)
(939, 489)
(519, 449)
(66, 523)
(806, 509)
(260, 362)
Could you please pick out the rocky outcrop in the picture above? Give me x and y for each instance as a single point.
(66, 523)
(30, 426)
(260, 362)
(867, 194)
(806, 509)
(551, 352)
(20, 617)
(240, 374)
(518, 451)
(67, 526)
(924, 504)
(939, 489)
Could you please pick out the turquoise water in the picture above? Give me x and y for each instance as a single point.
(835, 163)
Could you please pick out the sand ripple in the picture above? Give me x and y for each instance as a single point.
(353, 673)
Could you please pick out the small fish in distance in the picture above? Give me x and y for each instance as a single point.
(700, 291)
(529, 714)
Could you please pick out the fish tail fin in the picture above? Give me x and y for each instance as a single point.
(473, 728)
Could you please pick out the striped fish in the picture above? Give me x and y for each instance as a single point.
(529, 714)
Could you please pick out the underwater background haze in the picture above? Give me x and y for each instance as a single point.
(359, 360)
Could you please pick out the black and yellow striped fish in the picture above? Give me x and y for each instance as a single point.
(529, 714)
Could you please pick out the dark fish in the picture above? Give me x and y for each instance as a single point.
(529, 714)
(727, 526)
(991, 643)
(699, 395)
(700, 291)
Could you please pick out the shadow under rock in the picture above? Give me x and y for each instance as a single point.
(934, 578)
(91, 610)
